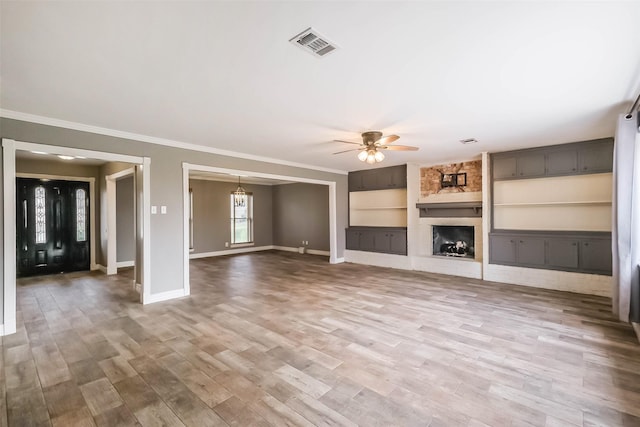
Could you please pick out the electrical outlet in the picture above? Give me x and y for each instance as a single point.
(226, 244)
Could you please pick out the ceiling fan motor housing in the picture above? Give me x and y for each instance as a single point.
(371, 137)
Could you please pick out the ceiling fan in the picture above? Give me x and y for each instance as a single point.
(372, 145)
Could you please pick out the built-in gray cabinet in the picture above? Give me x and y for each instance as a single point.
(580, 252)
(578, 158)
(391, 240)
(378, 179)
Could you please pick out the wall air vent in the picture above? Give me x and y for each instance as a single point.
(314, 43)
(468, 141)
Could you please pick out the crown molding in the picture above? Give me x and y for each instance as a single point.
(49, 121)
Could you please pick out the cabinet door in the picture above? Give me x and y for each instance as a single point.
(370, 180)
(530, 251)
(355, 181)
(562, 162)
(398, 242)
(381, 241)
(397, 177)
(530, 165)
(562, 253)
(596, 158)
(353, 240)
(502, 249)
(504, 167)
(595, 255)
(366, 240)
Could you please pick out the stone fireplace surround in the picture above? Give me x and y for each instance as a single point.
(457, 214)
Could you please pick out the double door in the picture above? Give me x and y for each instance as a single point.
(52, 226)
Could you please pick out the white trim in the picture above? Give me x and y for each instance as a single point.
(164, 296)
(636, 328)
(9, 229)
(338, 260)
(241, 245)
(17, 115)
(9, 202)
(317, 252)
(1, 330)
(123, 264)
(112, 218)
(306, 250)
(230, 251)
(137, 286)
(101, 268)
(186, 232)
(401, 262)
(145, 295)
(92, 206)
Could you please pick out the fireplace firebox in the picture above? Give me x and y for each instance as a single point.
(453, 241)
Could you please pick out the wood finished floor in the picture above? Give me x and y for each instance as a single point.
(284, 339)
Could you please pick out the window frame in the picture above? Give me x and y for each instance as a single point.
(249, 218)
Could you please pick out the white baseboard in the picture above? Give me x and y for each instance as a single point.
(164, 296)
(378, 259)
(337, 261)
(122, 264)
(94, 267)
(254, 249)
(307, 251)
(101, 268)
(8, 329)
(230, 252)
(636, 327)
(137, 286)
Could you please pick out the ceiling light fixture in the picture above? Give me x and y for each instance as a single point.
(239, 196)
(65, 157)
(372, 145)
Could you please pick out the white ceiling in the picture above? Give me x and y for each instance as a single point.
(223, 74)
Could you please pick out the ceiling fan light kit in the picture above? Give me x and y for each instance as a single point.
(372, 144)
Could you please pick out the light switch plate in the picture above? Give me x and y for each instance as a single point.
(154, 210)
(163, 210)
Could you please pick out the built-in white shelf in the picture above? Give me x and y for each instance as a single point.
(585, 202)
(378, 208)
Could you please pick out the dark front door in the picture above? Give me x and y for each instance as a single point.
(52, 226)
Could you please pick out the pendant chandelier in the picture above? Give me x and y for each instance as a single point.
(239, 196)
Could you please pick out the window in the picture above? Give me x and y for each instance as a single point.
(41, 216)
(241, 219)
(81, 216)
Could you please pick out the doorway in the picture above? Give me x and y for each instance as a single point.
(52, 226)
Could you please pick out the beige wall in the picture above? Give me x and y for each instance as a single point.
(301, 212)
(211, 226)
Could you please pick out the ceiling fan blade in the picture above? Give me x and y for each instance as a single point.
(346, 151)
(399, 148)
(387, 139)
(347, 142)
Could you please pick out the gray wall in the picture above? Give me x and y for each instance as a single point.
(166, 235)
(125, 220)
(211, 214)
(301, 212)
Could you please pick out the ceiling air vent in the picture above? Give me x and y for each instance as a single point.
(314, 43)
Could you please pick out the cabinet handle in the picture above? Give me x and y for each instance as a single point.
(586, 244)
(521, 241)
(573, 169)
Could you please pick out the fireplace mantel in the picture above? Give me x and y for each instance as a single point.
(450, 210)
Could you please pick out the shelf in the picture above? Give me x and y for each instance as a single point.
(378, 208)
(586, 202)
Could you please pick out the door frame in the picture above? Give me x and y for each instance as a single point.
(112, 246)
(9, 147)
(188, 167)
(92, 205)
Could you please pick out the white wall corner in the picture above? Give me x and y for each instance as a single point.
(486, 210)
(164, 296)
(413, 214)
(337, 261)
